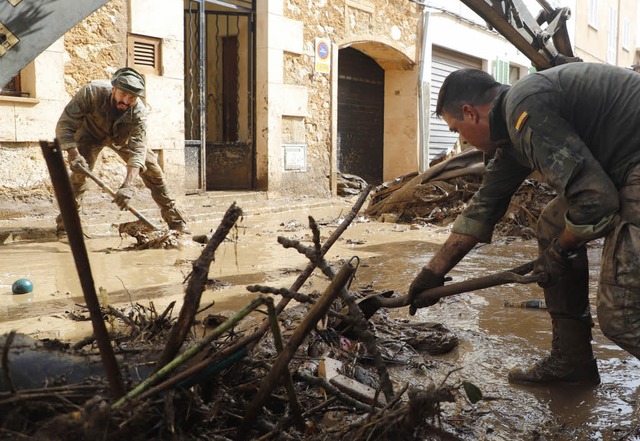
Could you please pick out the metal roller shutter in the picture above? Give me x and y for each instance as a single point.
(441, 140)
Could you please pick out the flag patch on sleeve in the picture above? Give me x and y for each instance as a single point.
(521, 119)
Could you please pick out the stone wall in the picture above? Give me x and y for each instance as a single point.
(94, 49)
(393, 23)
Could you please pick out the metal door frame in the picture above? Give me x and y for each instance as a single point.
(248, 10)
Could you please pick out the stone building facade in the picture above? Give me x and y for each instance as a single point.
(93, 49)
(278, 96)
(387, 34)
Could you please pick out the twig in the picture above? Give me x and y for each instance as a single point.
(113, 311)
(64, 194)
(320, 406)
(315, 230)
(302, 298)
(196, 286)
(302, 278)
(296, 410)
(275, 375)
(193, 350)
(284, 292)
(5, 361)
(210, 305)
(82, 343)
(126, 290)
(47, 393)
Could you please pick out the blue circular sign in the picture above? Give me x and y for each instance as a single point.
(323, 50)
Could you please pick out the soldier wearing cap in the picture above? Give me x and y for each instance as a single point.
(112, 115)
(577, 126)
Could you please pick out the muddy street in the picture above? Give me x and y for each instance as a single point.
(495, 334)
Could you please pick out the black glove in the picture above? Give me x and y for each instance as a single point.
(554, 262)
(426, 279)
(122, 197)
(78, 163)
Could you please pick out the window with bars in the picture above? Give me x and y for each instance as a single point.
(144, 54)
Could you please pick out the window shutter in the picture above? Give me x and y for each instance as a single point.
(501, 71)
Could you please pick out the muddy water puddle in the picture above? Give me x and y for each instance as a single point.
(494, 338)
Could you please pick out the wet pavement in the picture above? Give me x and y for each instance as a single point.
(494, 338)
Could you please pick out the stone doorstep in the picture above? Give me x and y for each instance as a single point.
(99, 218)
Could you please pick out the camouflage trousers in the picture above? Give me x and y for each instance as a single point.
(618, 295)
(151, 174)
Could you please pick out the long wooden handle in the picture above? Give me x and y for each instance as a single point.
(112, 193)
(515, 275)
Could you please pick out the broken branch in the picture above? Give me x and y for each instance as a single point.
(275, 375)
(193, 350)
(196, 285)
(64, 194)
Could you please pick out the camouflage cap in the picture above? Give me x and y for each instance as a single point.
(129, 81)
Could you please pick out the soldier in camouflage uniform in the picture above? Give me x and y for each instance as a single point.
(576, 124)
(111, 114)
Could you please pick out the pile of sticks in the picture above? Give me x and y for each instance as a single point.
(220, 386)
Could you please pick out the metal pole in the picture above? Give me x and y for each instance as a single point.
(202, 70)
(424, 93)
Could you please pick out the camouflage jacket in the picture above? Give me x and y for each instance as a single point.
(577, 124)
(89, 119)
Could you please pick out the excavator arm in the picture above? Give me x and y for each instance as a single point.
(28, 27)
(545, 47)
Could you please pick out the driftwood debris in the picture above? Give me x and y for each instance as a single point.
(148, 238)
(441, 193)
(282, 362)
(233, 383)
(349, 185)
(197, 281)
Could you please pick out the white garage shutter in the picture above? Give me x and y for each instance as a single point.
(441, 140)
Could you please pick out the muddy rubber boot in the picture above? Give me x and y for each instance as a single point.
(180, 227)
(61, 233)
(174, 219)
(571, 359)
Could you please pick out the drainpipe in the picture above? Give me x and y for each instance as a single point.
(202, 78)
(424, 92)
(618, 37)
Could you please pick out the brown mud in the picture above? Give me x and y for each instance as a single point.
(493, 338)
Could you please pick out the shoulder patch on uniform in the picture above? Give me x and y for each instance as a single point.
(521, 119)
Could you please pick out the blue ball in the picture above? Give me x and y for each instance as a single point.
(22, 286)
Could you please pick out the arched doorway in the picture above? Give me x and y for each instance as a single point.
(360, 116)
